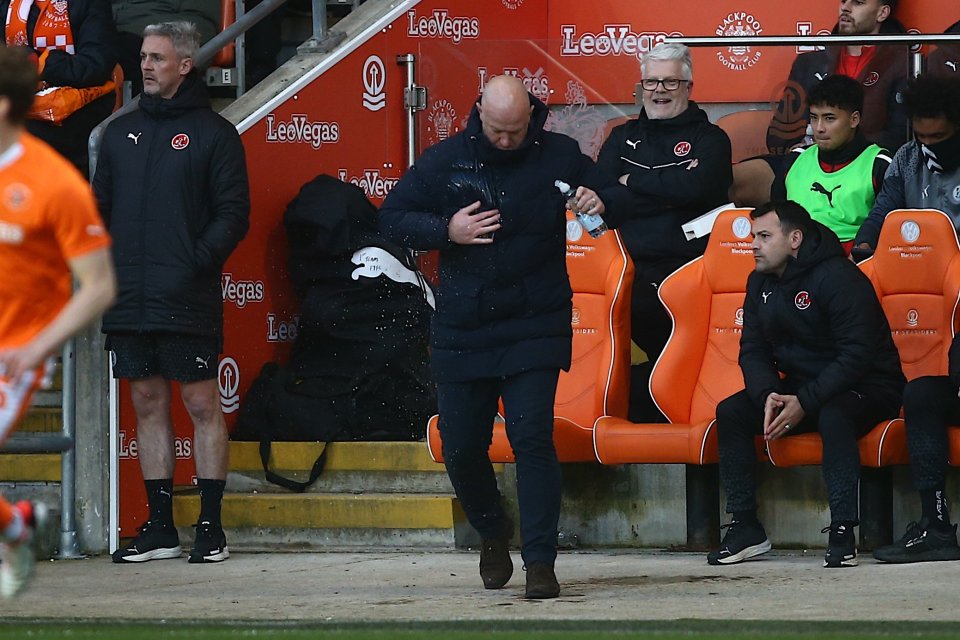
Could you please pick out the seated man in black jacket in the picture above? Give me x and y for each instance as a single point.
(812, 315)
(929, 405)
(677, 166)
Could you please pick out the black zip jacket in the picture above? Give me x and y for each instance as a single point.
(665, 192)
(884, 118)
(505, 307)
(945, 59)
(171, 182)
(821, 325)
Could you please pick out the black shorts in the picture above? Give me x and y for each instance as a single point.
(184, 358)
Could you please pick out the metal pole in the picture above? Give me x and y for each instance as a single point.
(240, 51)
(409, 60)
(319, 19)
(69, 547)
(823, 41)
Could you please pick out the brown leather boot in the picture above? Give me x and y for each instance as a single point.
(496, 567)
(541, 582)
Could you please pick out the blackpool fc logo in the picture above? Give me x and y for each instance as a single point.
(739, 57)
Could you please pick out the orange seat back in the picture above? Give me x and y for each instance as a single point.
(601, 276)
(699, 366)
(226, 57)
(747, 131)
(916, 274)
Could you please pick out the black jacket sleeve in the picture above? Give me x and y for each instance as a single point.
(93, 38)
(616, 198)
(681, 186)
(757, 362)
(229, 195)
(855, 319)
(409, 216)
(103, 181)
(610, 166)
(954, 367)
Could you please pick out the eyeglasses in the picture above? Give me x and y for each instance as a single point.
(670, 84)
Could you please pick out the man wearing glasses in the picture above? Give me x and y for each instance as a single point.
(677, 166)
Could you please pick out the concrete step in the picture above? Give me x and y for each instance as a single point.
(288, 521)
(21, 467)
(352, 467)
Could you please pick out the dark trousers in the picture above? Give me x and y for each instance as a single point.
(467, 411)
(840, 422)
(929, 405)
(650, 324)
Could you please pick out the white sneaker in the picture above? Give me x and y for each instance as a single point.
(19, 557)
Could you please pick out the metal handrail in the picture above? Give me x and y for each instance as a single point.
(825, 41)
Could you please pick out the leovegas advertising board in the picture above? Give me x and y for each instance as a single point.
(349, 122)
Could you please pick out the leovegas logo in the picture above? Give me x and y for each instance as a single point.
(536, 82)
(373, 184)
(440, 24)
(241, 292)
(612, 40)
(301, 130)
(180, 141)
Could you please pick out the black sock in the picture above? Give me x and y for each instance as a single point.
(934, 505)
(160, 499)
(211, 497)
(746, 517)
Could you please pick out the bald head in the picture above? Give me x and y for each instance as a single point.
(505, 112)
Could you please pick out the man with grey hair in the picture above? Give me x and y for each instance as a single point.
(676, 165)
(172, 186)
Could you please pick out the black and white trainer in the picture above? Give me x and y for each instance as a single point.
(741, 541)
(210, 544)
(921, 543)
(154, 541)
(841, 546)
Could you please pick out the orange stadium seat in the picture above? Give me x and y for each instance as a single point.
(697, 369)
(747, 131)
(226, 57)
(597, 384)
(916, 274)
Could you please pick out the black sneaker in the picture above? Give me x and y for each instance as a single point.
(210, 544)
(841, 547)
(741, 541)
(154, 541)
(921, 544)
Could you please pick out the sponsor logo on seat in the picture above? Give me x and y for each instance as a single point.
(738, 317)
(741, 227)
(574, 231)
(913, 317)
(910, 231)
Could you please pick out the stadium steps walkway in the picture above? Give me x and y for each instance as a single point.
(371, 494)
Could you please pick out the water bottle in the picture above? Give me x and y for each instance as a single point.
(593, 224)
